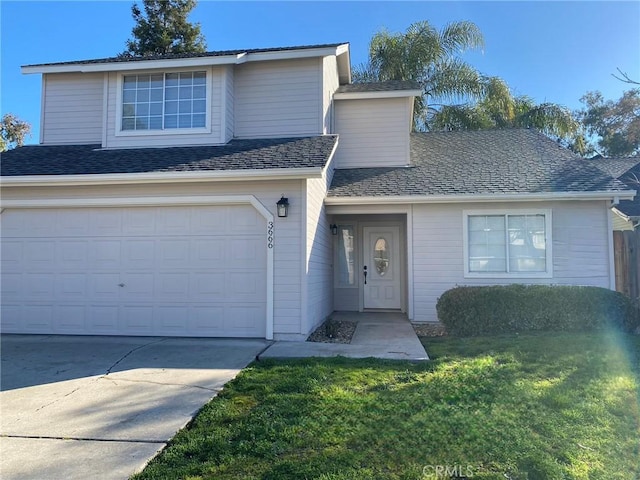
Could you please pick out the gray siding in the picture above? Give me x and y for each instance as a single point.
(229, 103)
(278, 98)
(72, 108)
(373, 132)
(580, 254)
(318, 259)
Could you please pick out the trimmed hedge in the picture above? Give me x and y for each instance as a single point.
(469, 311)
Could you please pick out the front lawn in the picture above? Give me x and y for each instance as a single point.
(548, 406)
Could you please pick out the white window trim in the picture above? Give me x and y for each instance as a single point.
(513, 275)
(172, 131)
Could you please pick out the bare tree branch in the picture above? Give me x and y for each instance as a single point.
(625, 78)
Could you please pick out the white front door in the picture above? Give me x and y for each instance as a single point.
(382, 266)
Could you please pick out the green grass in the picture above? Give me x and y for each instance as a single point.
(548, 406)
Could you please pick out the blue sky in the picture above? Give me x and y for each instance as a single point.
(551, 51)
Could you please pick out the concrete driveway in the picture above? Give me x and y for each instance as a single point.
(102, 407)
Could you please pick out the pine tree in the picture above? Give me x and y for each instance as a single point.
(163, 29)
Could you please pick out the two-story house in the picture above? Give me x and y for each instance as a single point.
(251, 193)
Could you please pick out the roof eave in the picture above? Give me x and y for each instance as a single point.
(380, 94)
(488, 198)
(162, 177)
(185, 62)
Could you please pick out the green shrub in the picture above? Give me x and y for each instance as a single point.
(469, 311)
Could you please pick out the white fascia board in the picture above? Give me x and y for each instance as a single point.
(386, 94)
(162, 177)
(330, 158)
(293, 54)
(135, 65)
(522, 197)
(181, 62)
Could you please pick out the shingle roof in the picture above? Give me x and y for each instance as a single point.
(236, 155)
(627, 170)
(388, 86)
(513, 161)
(617, 166)
(218, 53)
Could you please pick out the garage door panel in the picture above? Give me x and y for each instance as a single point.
(104, 286)
(12, 255)
(137, 319)
(71, 286)
(69, 319)
(173, 285)
(38, 318)
(205, 286)
(74, 223)
(72, 254)
(246, 317)
(174, 253)
(210, 253)
(105, 222)
(242, 286)
(139, 254)
(103, 319)
(39, 254)
(245, 252)
(12, 287)
(173, 220)
(139, 221)
(206, 318)
(39, 286)
(185, 271)
(208, 221)
(11, 317)
(104, 254)
(172, 319)
(137, 286)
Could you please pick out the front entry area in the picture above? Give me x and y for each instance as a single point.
(370, 263)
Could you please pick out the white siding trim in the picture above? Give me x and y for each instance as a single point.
(42, 105)
(134, 178)
(304, 284)
(170, 201)
(548, 225)
(409, 234)
(612, 260)
(369, 95)
(223, 108)
(105, 106)
(497, 197)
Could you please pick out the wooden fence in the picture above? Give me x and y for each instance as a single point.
(626, 246)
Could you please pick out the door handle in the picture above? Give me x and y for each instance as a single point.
(364, 270)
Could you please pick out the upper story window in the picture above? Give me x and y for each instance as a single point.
(508, 244)
(166, 101)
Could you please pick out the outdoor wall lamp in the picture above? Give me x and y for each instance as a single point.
(283, 206)
(334, 229)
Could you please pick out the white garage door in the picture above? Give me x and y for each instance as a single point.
(174, 271)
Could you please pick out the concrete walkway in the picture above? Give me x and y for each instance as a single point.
(387, 335)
